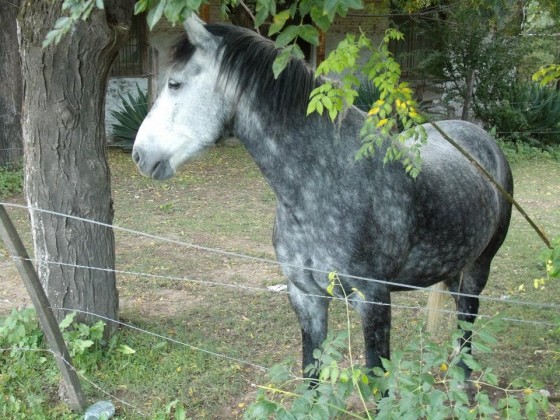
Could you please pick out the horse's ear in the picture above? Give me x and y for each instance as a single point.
(197, 33)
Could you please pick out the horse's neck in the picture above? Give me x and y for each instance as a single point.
(298, 153)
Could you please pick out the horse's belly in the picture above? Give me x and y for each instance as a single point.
(441, 257)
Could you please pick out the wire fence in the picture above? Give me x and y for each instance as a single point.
(258, 259)
(241, 287)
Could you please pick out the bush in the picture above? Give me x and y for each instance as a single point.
(29, 377)
(528, 113)
(432, 387)
(129, 118)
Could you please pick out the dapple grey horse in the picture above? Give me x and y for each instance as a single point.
(362, 218)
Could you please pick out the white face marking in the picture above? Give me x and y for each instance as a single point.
(188, 116)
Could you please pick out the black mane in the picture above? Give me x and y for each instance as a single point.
(247, 61)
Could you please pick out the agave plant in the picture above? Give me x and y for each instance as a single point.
(367, 95)
(129, 116)
(528, 113)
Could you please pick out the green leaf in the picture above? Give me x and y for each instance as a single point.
(327, 102)
(309, 33)
(287, 36)
(124, 349)
(264, 8)
(481, 347)
(155, 14)
(278, 22)
(173, 11)
(140, 6)
(322, 21)
(319, 108)
(281, 62)
(329, 6)
(68, 319)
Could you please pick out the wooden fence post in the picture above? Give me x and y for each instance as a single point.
(9, 235)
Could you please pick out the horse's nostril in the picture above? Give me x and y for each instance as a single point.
(135, 156)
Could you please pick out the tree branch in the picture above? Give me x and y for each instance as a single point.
(246, 8)
(500, 188)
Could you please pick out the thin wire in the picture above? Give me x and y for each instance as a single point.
(80, 374)
(163, 337)
(273, 262)
(260, 289)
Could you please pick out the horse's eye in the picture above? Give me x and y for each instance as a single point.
(172, 84)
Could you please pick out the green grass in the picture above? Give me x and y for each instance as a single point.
(220, 200)
(11, 181)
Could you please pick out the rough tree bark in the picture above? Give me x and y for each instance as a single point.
(11, 148)
(469, 89)
(66, 167)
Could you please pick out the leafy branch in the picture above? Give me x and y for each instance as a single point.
(428, 384)
(77, 10)
(547, 74)
(393, 120)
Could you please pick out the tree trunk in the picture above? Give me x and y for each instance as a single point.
(468, 95)
(66, 168)
(11, 147)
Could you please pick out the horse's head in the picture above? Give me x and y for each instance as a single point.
(190, 113)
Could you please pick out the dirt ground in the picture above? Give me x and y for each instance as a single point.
(12, 293)
(208, 204)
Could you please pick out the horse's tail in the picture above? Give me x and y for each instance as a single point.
(435, 305)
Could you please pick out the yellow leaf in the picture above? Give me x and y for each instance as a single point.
(373, 111)
(382, 122)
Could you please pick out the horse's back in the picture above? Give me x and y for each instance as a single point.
(475, 141)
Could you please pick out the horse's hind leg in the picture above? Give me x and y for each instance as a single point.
(471, 283)
(312, 313)
(474, 278)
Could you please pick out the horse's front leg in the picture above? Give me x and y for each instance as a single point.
(312, 313)
(375, 312)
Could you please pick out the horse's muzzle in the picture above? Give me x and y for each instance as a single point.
(156, 169)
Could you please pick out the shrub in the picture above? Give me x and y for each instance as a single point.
(528, 113)
(424, 381)
(129, 117)
(29, 377)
